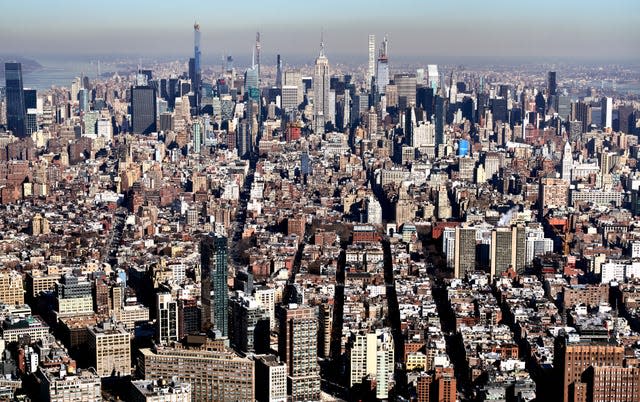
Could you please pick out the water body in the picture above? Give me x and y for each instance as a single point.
(59, 73)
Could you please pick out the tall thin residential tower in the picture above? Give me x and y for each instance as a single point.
(196, 62)
(382, 78)
(372, 60)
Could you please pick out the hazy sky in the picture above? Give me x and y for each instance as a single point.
(546, 29)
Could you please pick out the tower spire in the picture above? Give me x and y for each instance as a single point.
(322, 42)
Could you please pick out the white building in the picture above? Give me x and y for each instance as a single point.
(372, 355)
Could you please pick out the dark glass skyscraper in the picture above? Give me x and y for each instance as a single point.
(16, 111)
(551, 83)
(439, 117)
(143, 110)
(214, 292)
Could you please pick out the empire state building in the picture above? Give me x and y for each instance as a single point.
(321, 84)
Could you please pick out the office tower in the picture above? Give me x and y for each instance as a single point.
(382, 73)
(626, 121)
(215, 373)
(294, 78)
(371, 73)
(271, 379)
(567, 162)
(606, 106)
(499, 109)
(298, 348)
(551, 83)
(143, 110)
(406, 84)
(433, 76)
(424, 100)
(83, 100)
(278, 71)
(109, 349)
(249, 325)
(465, 251)
(321, 87)
(508, 247)
(572, 360)
(197, 76)
(167, 320)
(243, 139)
(372, 354)
(289, 98)
(581, 111)
(16, 111)
(214, 292)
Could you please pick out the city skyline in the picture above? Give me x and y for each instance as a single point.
(543, 29)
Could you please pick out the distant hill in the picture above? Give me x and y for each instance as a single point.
(28, 65)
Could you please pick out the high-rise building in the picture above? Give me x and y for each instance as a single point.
(371, 73)
(325, 324)
(278, 71)
(321, 87)
(581, 111)
(552, 87)
(16, 110)
(553, 193)
(143, 109)
(196, 81)
(406, 84)
(109, 349)
(439, 116)
(271, 379)
(613, 384)
(214, 291)
(508, 249)
(465, 251)
(606, 107)
(188, 317)
(266, 297)
(298, 348)
(382, 73)
(215, 373)
(567, 162)
(167, 320)
(249, 325)
(572, 360)
(372, 354)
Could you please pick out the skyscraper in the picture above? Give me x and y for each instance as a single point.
(552, 87)
(196, 81)
(143, 109)
(298, 348)
(406, 84)
(278, 71)
(508, 246)
(16, 111)
(382, 77)
(214, 292)
(465, 251)
(258, 56)
(321, 86)
(372, 60)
